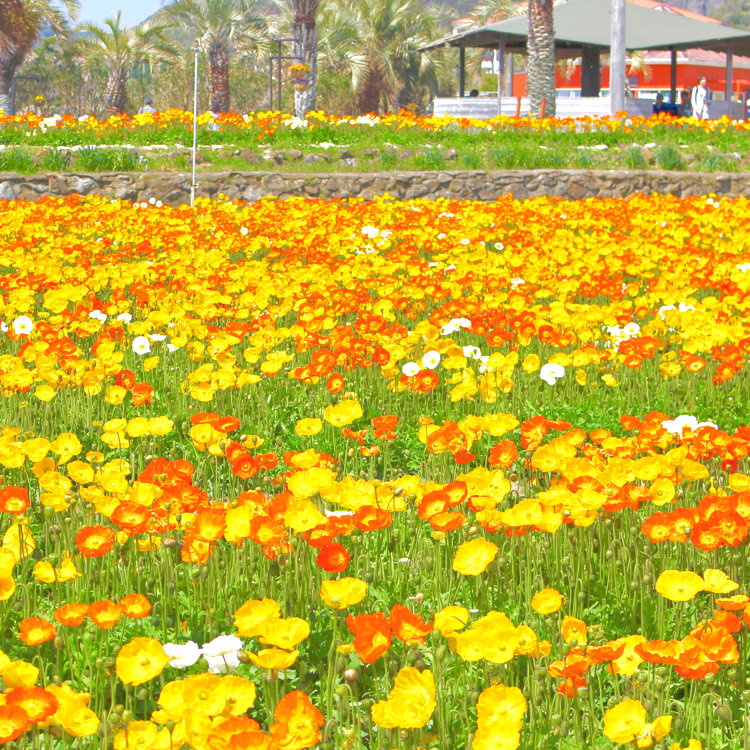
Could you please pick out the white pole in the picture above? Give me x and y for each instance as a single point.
(617, 59)
(195, 128)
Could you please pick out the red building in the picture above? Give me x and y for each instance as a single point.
(653, 75)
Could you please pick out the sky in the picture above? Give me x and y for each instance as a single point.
(133, 11)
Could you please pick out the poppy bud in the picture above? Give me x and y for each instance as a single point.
(243, 657)
(340, 664)
(341, 691)
(647, 579)
(58, 642)
(369, 576)
(114, 719)
(473, 697)
(419, 597)
(609, 554)
(724, 712)
(127, 716)
(171, 543)
(351, 675)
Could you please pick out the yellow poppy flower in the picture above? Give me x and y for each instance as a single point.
(140, 661)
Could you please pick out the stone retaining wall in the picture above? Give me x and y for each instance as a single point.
(174, 188)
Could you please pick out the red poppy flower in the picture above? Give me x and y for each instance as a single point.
(369, 518)
(141, 394)
(95, 541)
(125, 379)
(34, 631)
(463, 457)
(408, 626)
(333, 558)
(135, 606)
(372, 635)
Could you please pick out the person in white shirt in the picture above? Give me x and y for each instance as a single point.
(700, 98)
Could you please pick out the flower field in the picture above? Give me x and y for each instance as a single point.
(373, 474)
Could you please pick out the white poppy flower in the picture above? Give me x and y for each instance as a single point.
(472, 351)
(676, 426)
(410, 369)
(222, 645)
(141, 345)
(222, 664)
(182, 655)
(124, 317)
(23, 325)
(551, 372)
(431, 359)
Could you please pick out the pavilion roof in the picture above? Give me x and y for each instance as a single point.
(587, 23)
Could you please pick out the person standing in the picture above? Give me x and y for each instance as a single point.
(699, 99)
(148, 106)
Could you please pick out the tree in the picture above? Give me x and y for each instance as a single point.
(221, 28)
(735, 13)
(540, 64)
(305, 33)
(383, 37)
(121, 48)
(20, 23)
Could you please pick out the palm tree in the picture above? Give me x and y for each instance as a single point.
(221, 28)
(121, 48)
(20, 23)
(305, 33)
(540, 65)
(384, 36)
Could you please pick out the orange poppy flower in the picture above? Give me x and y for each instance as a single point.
(297, 722)
(95, 541)
(209, 524)
(333, 558)
(131, 517)
(372, 635)
(503, 454)
(14, 500)
(335, 383)
(104, 614)
(369, 518)
(570, 686)
(408, 626)
(34, 631)
(38, 704)
(13, 722)
(448, 521)
(135, 606)
(660, 652)
(72, 614)
(141, 393)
